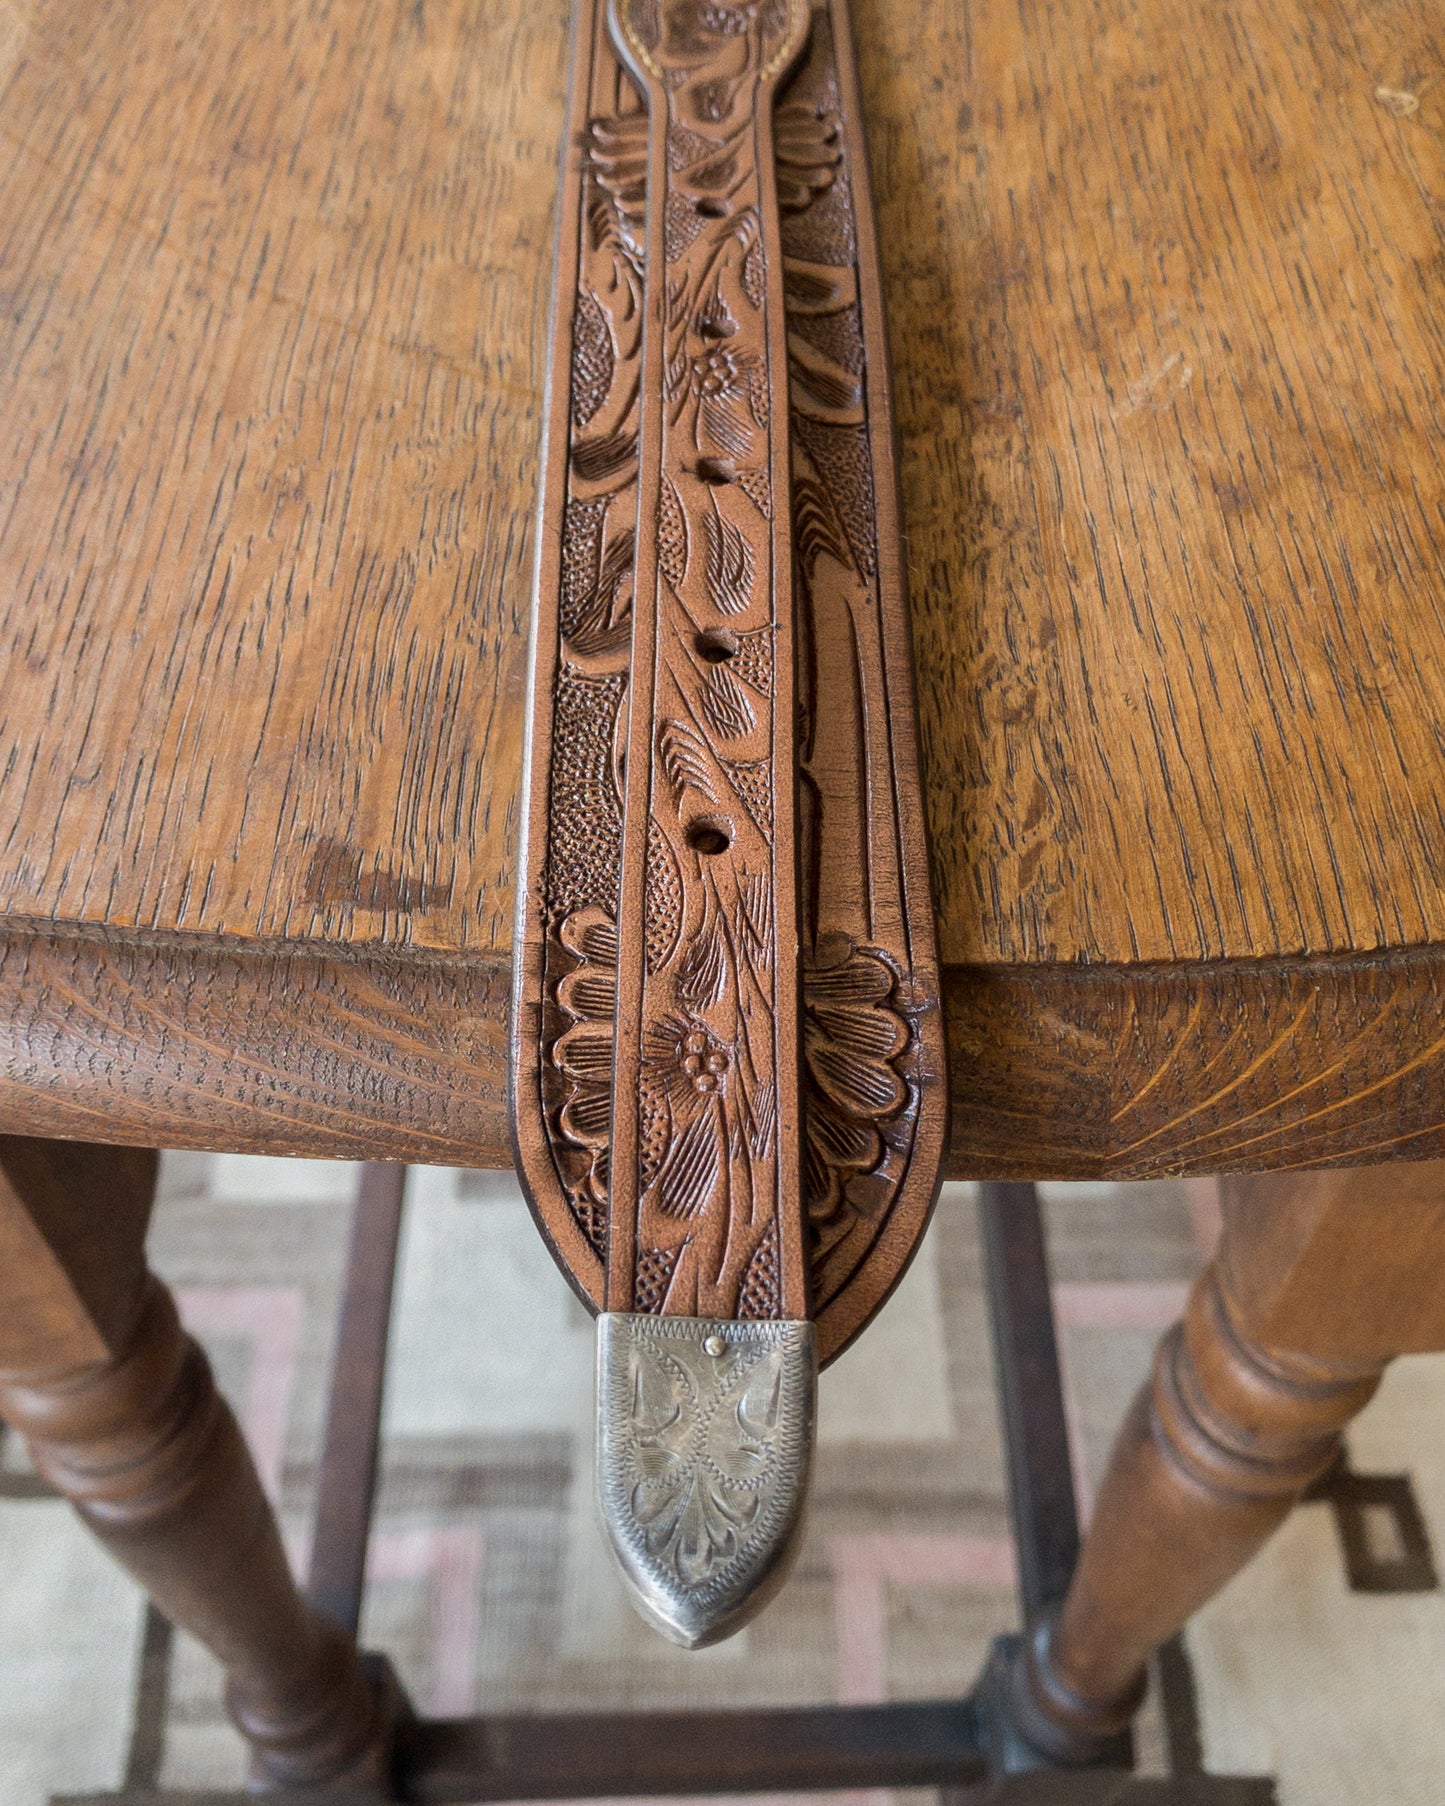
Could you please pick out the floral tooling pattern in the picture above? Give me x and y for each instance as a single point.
(706, 1103)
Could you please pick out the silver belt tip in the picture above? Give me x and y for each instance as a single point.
(704, 1447)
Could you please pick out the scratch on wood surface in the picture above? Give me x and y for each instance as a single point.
(1158, 387)
(1398, 101)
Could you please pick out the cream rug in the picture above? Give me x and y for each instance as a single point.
(489, 1585)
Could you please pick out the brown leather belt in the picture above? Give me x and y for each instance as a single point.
(728, 1088)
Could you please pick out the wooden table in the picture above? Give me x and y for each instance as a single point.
(1164, 290)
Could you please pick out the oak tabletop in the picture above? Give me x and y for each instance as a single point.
(1164, 291)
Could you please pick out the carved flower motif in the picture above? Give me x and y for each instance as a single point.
(852, 1035)
(721, 377)
(583, 1052)
(808, 148)
(617, 150)
(684, 1103)
(701, 1058)
(719, 373)
(685, 1069)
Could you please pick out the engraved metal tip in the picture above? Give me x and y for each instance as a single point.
(704, 1445)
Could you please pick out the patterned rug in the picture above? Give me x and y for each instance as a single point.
(1323, 1666)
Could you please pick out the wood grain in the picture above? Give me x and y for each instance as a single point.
(1060, 1073)
(200, 1043)
(1227, 1066)
(1311, 1256)
(1164, 295)
(272, 350)
(1162, 288)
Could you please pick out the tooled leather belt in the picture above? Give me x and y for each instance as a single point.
(728, 1091)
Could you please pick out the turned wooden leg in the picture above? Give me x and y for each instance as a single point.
(121, 1414)
(1319, 1281)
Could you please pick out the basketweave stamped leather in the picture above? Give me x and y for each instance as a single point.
(728, 1086)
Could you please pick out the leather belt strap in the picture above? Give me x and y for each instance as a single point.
(728, 1091)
